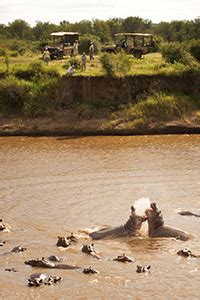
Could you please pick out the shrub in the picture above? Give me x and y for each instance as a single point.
(157, 107)
(35, 69)
(195, 49)
(14, 54)
(2, 52)
(13, 93)
(42, 97)
(85, 41)
(115, 65)
(174, 52)
(22, 51)
(73, 61)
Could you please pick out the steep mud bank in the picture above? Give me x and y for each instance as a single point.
(110, 91)
(105, 94)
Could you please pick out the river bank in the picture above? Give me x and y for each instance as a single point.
(64, 125)
(81, 105)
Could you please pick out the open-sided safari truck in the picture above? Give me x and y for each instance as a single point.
(137, 44)
(62, 44)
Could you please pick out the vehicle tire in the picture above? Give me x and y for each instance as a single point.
(137, 54)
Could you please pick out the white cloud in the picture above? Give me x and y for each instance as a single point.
(76, 10)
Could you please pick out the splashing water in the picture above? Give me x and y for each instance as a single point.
(140, 206)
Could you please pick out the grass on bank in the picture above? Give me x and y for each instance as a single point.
(150, 64)
(156, 108)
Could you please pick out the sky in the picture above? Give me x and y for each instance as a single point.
(76, 10)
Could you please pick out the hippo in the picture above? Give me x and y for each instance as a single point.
(188, 213)
(89, 249)
(187, 253)
(131, 227)
(156, 227)
(45, 263)
(38, 279)
(90, 271)
(63, 242)
(2, 243)
(4, 226)
(72, 238)
(18, 249)
(123, 258)
(143, 269)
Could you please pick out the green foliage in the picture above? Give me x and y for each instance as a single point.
(115, 65)
(20, 29)
(156, 107)
(32, 99)
(13, 93)
(195, 49)
(22, 51)
(13, 53)
(42, 97)
(2, 52)
(85, 41)
(73, 61)
(176, 52)
(35, 70)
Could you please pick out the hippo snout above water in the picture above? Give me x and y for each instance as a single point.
(156, 227)
(38, 279)
(131, 227)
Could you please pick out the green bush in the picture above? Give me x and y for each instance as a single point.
(157, 107)
(115, 65)
(42, 97)
(13, 93)
(22, 51)
(174, 52)
(35, 69)
(85, 41)
(73, 61)
(195, 49)
(2, 52)
(14, 54)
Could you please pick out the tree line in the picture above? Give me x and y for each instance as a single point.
(174, 31)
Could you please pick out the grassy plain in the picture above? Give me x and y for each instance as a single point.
(150, 64)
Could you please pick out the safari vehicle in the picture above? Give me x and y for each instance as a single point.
(62, 44)
(137, 44)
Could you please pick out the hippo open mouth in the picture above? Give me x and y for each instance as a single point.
(131, 227)
(156, 227)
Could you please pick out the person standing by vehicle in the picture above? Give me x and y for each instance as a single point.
(75, 48)
(91, 51)
(46, 56)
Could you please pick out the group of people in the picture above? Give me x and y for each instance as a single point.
(71, 69)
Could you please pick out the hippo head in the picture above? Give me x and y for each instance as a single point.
(154, 217)
(134, 222)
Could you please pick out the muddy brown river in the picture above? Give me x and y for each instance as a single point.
(55, 186)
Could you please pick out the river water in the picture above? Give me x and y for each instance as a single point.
(55, 186)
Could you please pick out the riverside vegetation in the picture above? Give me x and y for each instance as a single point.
(30, 89)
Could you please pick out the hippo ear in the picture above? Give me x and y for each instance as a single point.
(153, 206)
(132, 209)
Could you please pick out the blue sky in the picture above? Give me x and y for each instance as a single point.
(77, 10)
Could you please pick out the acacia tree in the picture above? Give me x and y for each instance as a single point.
(19, 29)
(135, 24)
(102, 30)
(42, 30)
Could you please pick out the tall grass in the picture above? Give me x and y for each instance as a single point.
(31, 92)
(157, 107)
